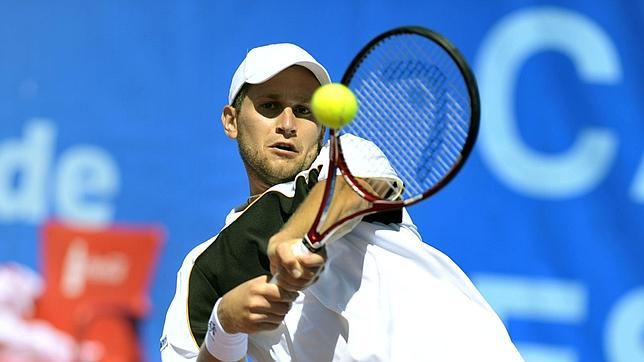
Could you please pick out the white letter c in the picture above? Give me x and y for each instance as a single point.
(502, 54)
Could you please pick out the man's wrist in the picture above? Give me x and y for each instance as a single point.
(222, 345)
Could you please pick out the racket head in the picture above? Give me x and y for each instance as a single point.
(419, 104)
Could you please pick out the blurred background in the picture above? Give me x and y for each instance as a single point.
(113, 163)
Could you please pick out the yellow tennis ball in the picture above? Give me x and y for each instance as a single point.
(334, 105)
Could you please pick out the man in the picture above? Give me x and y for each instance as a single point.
(383, 295)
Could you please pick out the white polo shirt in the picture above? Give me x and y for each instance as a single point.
(384, 295)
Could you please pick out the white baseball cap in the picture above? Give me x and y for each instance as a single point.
(263, 63)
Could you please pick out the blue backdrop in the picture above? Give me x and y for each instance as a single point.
(109, 112)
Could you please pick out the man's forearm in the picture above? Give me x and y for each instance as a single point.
(345, 202)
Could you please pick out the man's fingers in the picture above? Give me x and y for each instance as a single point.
(266, 326)
(288, 295)
(286, 281)
(273, 304)
(288, 260)
(275, 293)
(255, 305)
(272, 315)
(311, 260)
(294, 268)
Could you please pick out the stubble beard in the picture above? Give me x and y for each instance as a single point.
(257, 162)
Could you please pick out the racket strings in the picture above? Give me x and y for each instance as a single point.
(415, 107)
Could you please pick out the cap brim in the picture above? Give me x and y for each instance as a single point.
(320, 73)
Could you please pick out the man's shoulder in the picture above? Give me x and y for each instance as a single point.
(193, 254)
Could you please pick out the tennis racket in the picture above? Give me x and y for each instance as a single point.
(419, 106)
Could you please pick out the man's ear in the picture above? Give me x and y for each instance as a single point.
(229, 121)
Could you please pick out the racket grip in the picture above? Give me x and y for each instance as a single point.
(298, 249)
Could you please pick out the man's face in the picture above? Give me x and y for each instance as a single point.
(275, 130)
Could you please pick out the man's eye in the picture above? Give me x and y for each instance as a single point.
(269, 105)
(301, 110)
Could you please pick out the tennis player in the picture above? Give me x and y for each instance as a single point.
(383, 294)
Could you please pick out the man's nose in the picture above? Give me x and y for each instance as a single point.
(286, 123)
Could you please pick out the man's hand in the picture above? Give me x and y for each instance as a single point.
(296, 272)
(253, 306)
(293, 272)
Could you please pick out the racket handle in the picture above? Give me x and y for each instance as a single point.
(298, 249)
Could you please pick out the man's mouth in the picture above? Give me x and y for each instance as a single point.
(284, 147)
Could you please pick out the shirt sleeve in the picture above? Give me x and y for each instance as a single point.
(364, 160)
(177, 343)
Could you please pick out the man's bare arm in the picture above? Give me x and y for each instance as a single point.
(297, 272)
